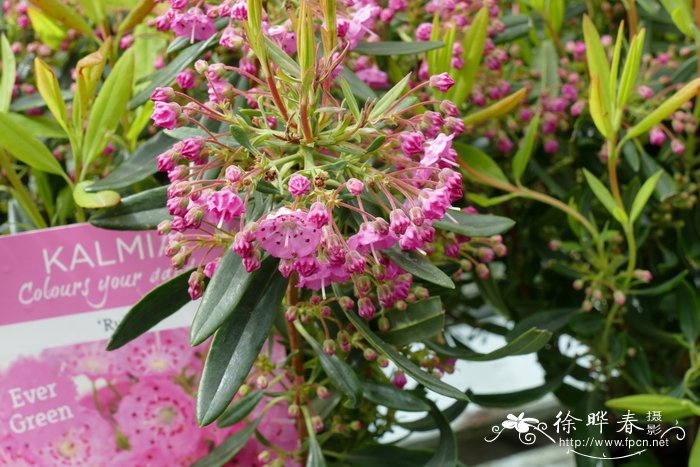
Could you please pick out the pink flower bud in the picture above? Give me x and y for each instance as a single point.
(399, 380)
(442, 82)
(355, 186)
(299, 185)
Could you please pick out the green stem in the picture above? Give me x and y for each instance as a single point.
(21, 191)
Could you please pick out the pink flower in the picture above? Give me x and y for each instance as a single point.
(657, 137)
(437, 150)
(159, 353)
(355, 186)
(299, 185)
(288, 234)
(399, 380)
(239, 11)
(374, 77)
(185, 79)
(412, 142)
(370, 237)
(231, 39)
(225, 204)
(318, 214)
(646, 92)
(162, 94)
(442, 82)
(424, 31)
(194, 24)
(89, 359)
(366, 308)
(15, 453)
(158, 412)
(551, 146)
(677, 147)
(233, 173)
(87, 440)
(435, 203)
(166, 114)
(191, 149)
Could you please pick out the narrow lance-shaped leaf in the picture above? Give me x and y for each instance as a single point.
(669, 106)
(339, 372)
(402, 362)
(688, 306)
(480, 162)
(599, 112)
(670, 407)
(50, 91)
(94, 200)
(530, 341)
(67, 15)
(240, 409)
(631, 69)
(446, 452)
(643, 195)
(603, 195)
(223, 453)
(393, 48)
(597, 61)
(527, 145)
(388, 99)
(415, 264)
(161, 302)
(109, 106)
(393, 398)
(474, 225)
(472, 51)
(235, 347)
(498, 109)
(141, 211)
(9, 69)
(24, 147)
(420, 320)
(617, 56)
(136, 16)
(223, 295)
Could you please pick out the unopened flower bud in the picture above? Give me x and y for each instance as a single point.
(329, 346)
(384, 324)
(322, 392)
(261, 382)
(370, 355)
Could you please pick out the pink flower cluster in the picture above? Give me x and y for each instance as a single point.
(140, 411)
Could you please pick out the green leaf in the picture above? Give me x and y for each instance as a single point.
(235, 348)
(340, 373)
(446, 452)
(47, 30)
(663, 287)
(349, 98)
(670, 407)
(643, 195)
(94, 9)
(472, 51)
(527, 145)
(393, 398)
(597, 60)
(600, 112)
(137, 13)
(64, 14)
(9, 70)
(402, 362)
(24, 147)
(666, 108)
(389, 99)
(315, 454)
(617, 53)
(493, 201)
(694, 458)
(530, 341)
(240, 409)
(497, 109)
(480, 162)
(393, 48)
(359, 87)
(548, 320)
(688, 306)
(517, 398)
(241, 136)
(142, 211)
(630, 70)
(474, 225)
(100, 199)
(427, 423)
(516, 27)
(420, 320)
(603, 195)
(376, 144)
(109, 107)
(167, 74)
(223, 453)
(383, 455)
(416, 264)
(141, 164)
(547, 63)
(39, 126)
(35, 101)
(282, 59)
(161, 302)
(223, 295)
